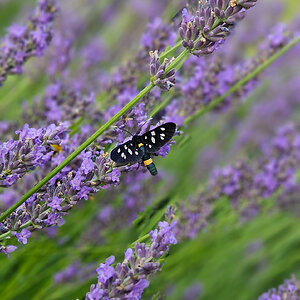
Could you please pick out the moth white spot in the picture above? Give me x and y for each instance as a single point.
(136, 153)
(162, 128)
(145, 137)
(123, 155)
(150, 146)
(162, 138)
(129, 151)
(153, 140)
(125, 147)
(162, 135)
(119, 150)
(153, 133)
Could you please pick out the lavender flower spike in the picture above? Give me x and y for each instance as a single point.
(23, 42)
(129, 278)
(34, 148)
(289, 290)
(157, 70)
(202, 33)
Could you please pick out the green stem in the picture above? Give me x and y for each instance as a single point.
(6, 234)
(75, 126)
(180, 58)
(147, 89)
(77, 151)
(170, 51)
(141, 239)
(161, 105)
(243, 81)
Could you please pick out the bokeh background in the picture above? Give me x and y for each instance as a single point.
(231, 258)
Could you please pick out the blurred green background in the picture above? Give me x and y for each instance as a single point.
(221, 259)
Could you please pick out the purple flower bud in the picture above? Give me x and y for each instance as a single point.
(164, 81)
(200, 26)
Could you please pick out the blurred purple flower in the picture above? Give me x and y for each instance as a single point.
(158, 36)
(288, 290)
(23, 42)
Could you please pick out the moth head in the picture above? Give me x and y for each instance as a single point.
(137, 139)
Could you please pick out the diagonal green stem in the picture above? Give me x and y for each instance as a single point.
(233, 89)
(161, 105)
(170, 51)
(176, 63)
(243, 81)
(182, 56)
(77, 151)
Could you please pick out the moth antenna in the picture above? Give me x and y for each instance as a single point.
(125, 130)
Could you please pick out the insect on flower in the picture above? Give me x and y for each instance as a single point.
(140, 147)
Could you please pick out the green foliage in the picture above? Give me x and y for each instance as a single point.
(219, 258)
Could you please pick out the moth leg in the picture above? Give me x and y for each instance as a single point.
(139, 164)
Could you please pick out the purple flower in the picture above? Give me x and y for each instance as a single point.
(52, 219)
(105, 214)
(17, 31)
(84, 192)
(288, 290)
(262, 179)
(199, 33)
(96, 293)
(32, 149)
(67, 274)
(128, 254)
(129, 278)
(164, 150)
(164, 231)
(87, 163)
(23, 42)
(7, 249)
(62, 102)
(55, 203)
(23, 236)
(158, 36)
(138, 289)
(105, 271)
(193, 292)
(93, 53)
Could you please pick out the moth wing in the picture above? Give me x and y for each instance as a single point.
(154, 139)
(126, 153)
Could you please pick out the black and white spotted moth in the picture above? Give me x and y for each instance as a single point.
(140, 147)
